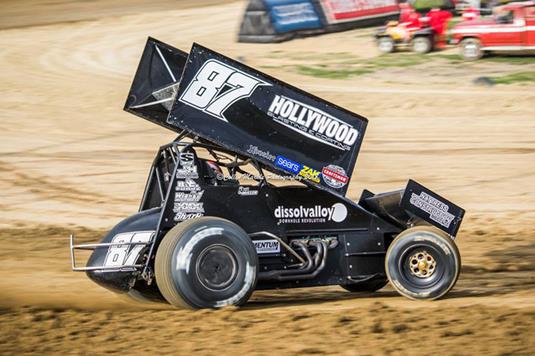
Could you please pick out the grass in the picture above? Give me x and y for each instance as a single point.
(344, 65)
(515, 60)
(355, 67)
(519, 60)
(396, 60)
(454, 58)
(342, 73)
(515, 78)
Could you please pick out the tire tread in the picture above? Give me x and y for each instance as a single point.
(163, 261)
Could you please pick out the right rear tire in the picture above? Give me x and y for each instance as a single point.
(206, 262)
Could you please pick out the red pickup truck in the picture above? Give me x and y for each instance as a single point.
(511, 28)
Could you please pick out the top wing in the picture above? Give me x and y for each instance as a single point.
(239, 108)
(285, 128)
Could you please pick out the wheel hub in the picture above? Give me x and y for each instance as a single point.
(470, 50)
(422, 264)
(216, 267)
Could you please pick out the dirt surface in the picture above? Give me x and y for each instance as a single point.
(23, 13)
(72, 161)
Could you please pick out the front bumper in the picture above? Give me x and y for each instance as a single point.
(107, 245)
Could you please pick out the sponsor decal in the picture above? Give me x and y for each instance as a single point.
(255, 151)
(216, 86)
(310, 174)
(187, 185)
(293, 16)
(307, 215)
(267, 246)
(437, 210)
(187, 168)
(312, 123)
(186, 158)
(188, 193)
(182, 216)
(187, 172)
(247, 191)
(294, 13)
(188, 197)
(189, 207)
(296, 168)
(352, 10)
(288, 164)
(335, 176)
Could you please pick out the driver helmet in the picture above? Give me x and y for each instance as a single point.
(214, 167)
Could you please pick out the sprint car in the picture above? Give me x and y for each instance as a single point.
(252, 195)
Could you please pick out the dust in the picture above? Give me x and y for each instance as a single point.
(54, 310)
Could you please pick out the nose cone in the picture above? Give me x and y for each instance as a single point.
(144, 222)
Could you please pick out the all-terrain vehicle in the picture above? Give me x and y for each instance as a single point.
(421, 34)
(394, 35)
(251, 195)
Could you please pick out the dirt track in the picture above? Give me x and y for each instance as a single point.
(71, 160)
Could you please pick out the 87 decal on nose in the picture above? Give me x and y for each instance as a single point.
(216, 86)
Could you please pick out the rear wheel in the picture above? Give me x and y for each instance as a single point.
(471, 49)
(386, 44)
(206, 263)
(422, 45)
(423, 263)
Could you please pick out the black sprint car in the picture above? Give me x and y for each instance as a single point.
(251, 195)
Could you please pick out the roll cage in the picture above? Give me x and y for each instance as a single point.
(167, 157)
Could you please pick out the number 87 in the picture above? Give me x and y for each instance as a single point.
(206, 91)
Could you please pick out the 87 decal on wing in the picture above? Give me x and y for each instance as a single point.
(216, 86)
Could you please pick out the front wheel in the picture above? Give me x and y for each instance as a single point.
(423, 263)
(386, 44)
(206, 262)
